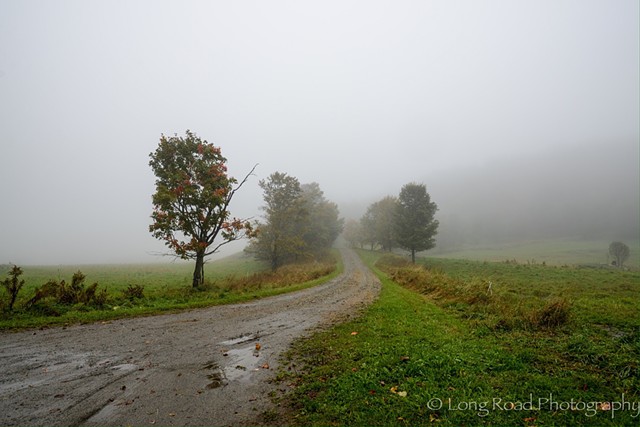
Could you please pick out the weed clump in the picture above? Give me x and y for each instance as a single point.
(70, 294)
(554, 314)
(134, 292)
(13, 284)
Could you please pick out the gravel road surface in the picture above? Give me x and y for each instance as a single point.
(200, 367)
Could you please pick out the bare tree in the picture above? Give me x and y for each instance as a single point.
(620, 252)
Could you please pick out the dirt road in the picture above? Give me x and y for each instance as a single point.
(199, 367)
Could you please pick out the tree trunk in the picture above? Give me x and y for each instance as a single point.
(413, 256)
(198, 273)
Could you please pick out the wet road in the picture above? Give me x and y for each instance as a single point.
(201, 367)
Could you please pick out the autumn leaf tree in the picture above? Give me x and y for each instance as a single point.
(415, 225)
(191, 202)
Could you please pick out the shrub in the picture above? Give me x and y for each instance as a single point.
(70, 294)
(13, 285)
(134, 292)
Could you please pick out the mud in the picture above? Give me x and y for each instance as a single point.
(202, 367)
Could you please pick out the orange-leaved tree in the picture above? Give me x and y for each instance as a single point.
(191, 201)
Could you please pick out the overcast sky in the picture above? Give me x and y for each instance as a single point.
(359, 96)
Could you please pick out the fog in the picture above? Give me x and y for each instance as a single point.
(521, 117)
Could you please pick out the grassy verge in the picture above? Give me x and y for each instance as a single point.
(167, 288)
(422, 358)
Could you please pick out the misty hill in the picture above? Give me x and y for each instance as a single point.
(579, 192)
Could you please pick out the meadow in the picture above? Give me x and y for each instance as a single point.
(461, 342)
(567, 251)
(162, 288)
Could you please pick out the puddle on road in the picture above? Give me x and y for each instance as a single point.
(242, 362)
(216, 378)
(240, 340)
(239, 364)
(125, 367)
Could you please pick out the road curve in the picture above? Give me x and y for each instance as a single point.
(200, 367)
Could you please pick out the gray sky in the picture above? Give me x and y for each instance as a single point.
(359, 96)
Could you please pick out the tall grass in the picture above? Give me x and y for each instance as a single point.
(478, 298)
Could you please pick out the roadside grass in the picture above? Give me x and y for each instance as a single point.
(166, 288)
(427, 354)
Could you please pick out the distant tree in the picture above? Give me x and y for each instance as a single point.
(299, 222)
(368, 228)
(280, 239)
(13, 285)
(353, 233)
(385, 210)
(620, 252)
(325, 225)
(378, 223)
(415, 225)
(191, 201)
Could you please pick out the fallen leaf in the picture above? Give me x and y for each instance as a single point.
(354, 333)
(402, 393)
(405, 358)
(394, 390)
(172, 414)
(258, 346)
(354, 369)
(265, 366)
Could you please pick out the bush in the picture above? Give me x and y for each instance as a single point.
(134, 292)
(70, 294)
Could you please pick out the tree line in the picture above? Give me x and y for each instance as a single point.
(406, 221)
(299, 222)
(191, 208)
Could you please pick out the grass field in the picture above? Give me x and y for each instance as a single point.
(167, 287)
(156, 278)
(552, 252)
(449, 350)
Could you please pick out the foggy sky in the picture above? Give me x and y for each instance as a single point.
(489, 100)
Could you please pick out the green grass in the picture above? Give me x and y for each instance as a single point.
(157, 278)
(554, 252)
(167, 288)
(456, 369)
